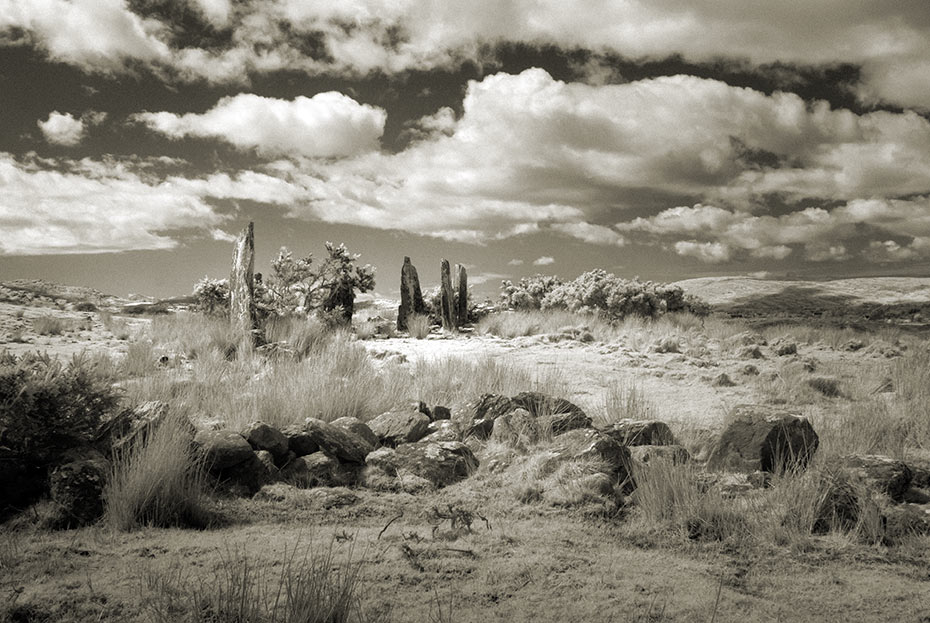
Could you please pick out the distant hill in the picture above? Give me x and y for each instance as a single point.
(869, 298)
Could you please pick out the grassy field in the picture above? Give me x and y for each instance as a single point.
(522, 538)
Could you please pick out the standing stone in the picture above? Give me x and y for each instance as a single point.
(461, 291)
(241, 282)
(445, 297)
(411, 297)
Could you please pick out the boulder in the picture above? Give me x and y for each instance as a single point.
(440, 463)
(539, 404)
(592, 445)
(76, 487)
(643, 455)
(248, 476)
(222, 449)
(358, 428)
(478, 418)
(517, 429)
(319, 470)
(122, 431)
(751, 352)
(640, 432)
(904, 521)
(337, 442)
(299, 441)
(398, 427)
(879, 473)
(723, 380)
(763, 438)
(441, 413)
(442, 430)
(785, 348)
(261, 436)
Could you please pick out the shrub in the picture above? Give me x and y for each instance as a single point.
(603, 292)
(48, 325)
(46, 407)
(85, 306)
(158, 481)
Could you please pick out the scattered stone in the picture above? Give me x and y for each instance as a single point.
(261, 436)
(750, 370)
(751, 352)
(447, 313)
(903, 522)
(826, 385)
(222, 449)
(786, 348)
(723, 380)
(299, 441)
(76, 487)
(747, 338)
(853, 345)
(643, 455)
(357, 427)
(398, 427)
(879, 473)
(763, 438)
(411, 297)
(640, 432)
(313, 499)
(337, 442)
(241, 282)
(669, 344)
(881, 348)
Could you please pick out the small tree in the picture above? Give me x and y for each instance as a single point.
(212, 296)
(297, 285)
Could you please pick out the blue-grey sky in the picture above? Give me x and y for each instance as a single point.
(658, 138)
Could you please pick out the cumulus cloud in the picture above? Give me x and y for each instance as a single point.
(62, 129)
(544, 261)
(326, 125)
(891, 41)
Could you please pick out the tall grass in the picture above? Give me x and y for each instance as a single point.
(49, 325)
(626, 400)
(157, 481)
(311, 586)
(418, 326)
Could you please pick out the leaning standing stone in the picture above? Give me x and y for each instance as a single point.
(241, 282)
(461, 291)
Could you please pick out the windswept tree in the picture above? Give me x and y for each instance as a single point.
(299, 285)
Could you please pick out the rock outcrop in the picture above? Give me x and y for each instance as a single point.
(397, 427)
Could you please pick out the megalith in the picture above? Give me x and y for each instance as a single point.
(445, 297)
(411, 297)
(241, 281)
(461, 293)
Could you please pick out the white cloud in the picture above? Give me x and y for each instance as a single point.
(544, 261)
(891, 41)
(62, 129)
(326, 125)
(515, 262)
(588, 232)
(712, 252)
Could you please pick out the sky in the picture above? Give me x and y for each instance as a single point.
(662, 139)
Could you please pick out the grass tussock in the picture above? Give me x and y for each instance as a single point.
(49, 325)
(118, 327)
(418, 326)
(626, 400)
(158, 481)
(310, 586)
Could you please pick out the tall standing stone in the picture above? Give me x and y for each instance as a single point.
(445, 297)
(461, 293)
(411, 297)
(241, 281)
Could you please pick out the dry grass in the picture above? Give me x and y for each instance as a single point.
(418, 326)
(49, 325)
(625, 399)
(309, 586)
(157, 482)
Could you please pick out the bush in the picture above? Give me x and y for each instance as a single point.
(529, 292)
(46, 407)
(85, 306)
